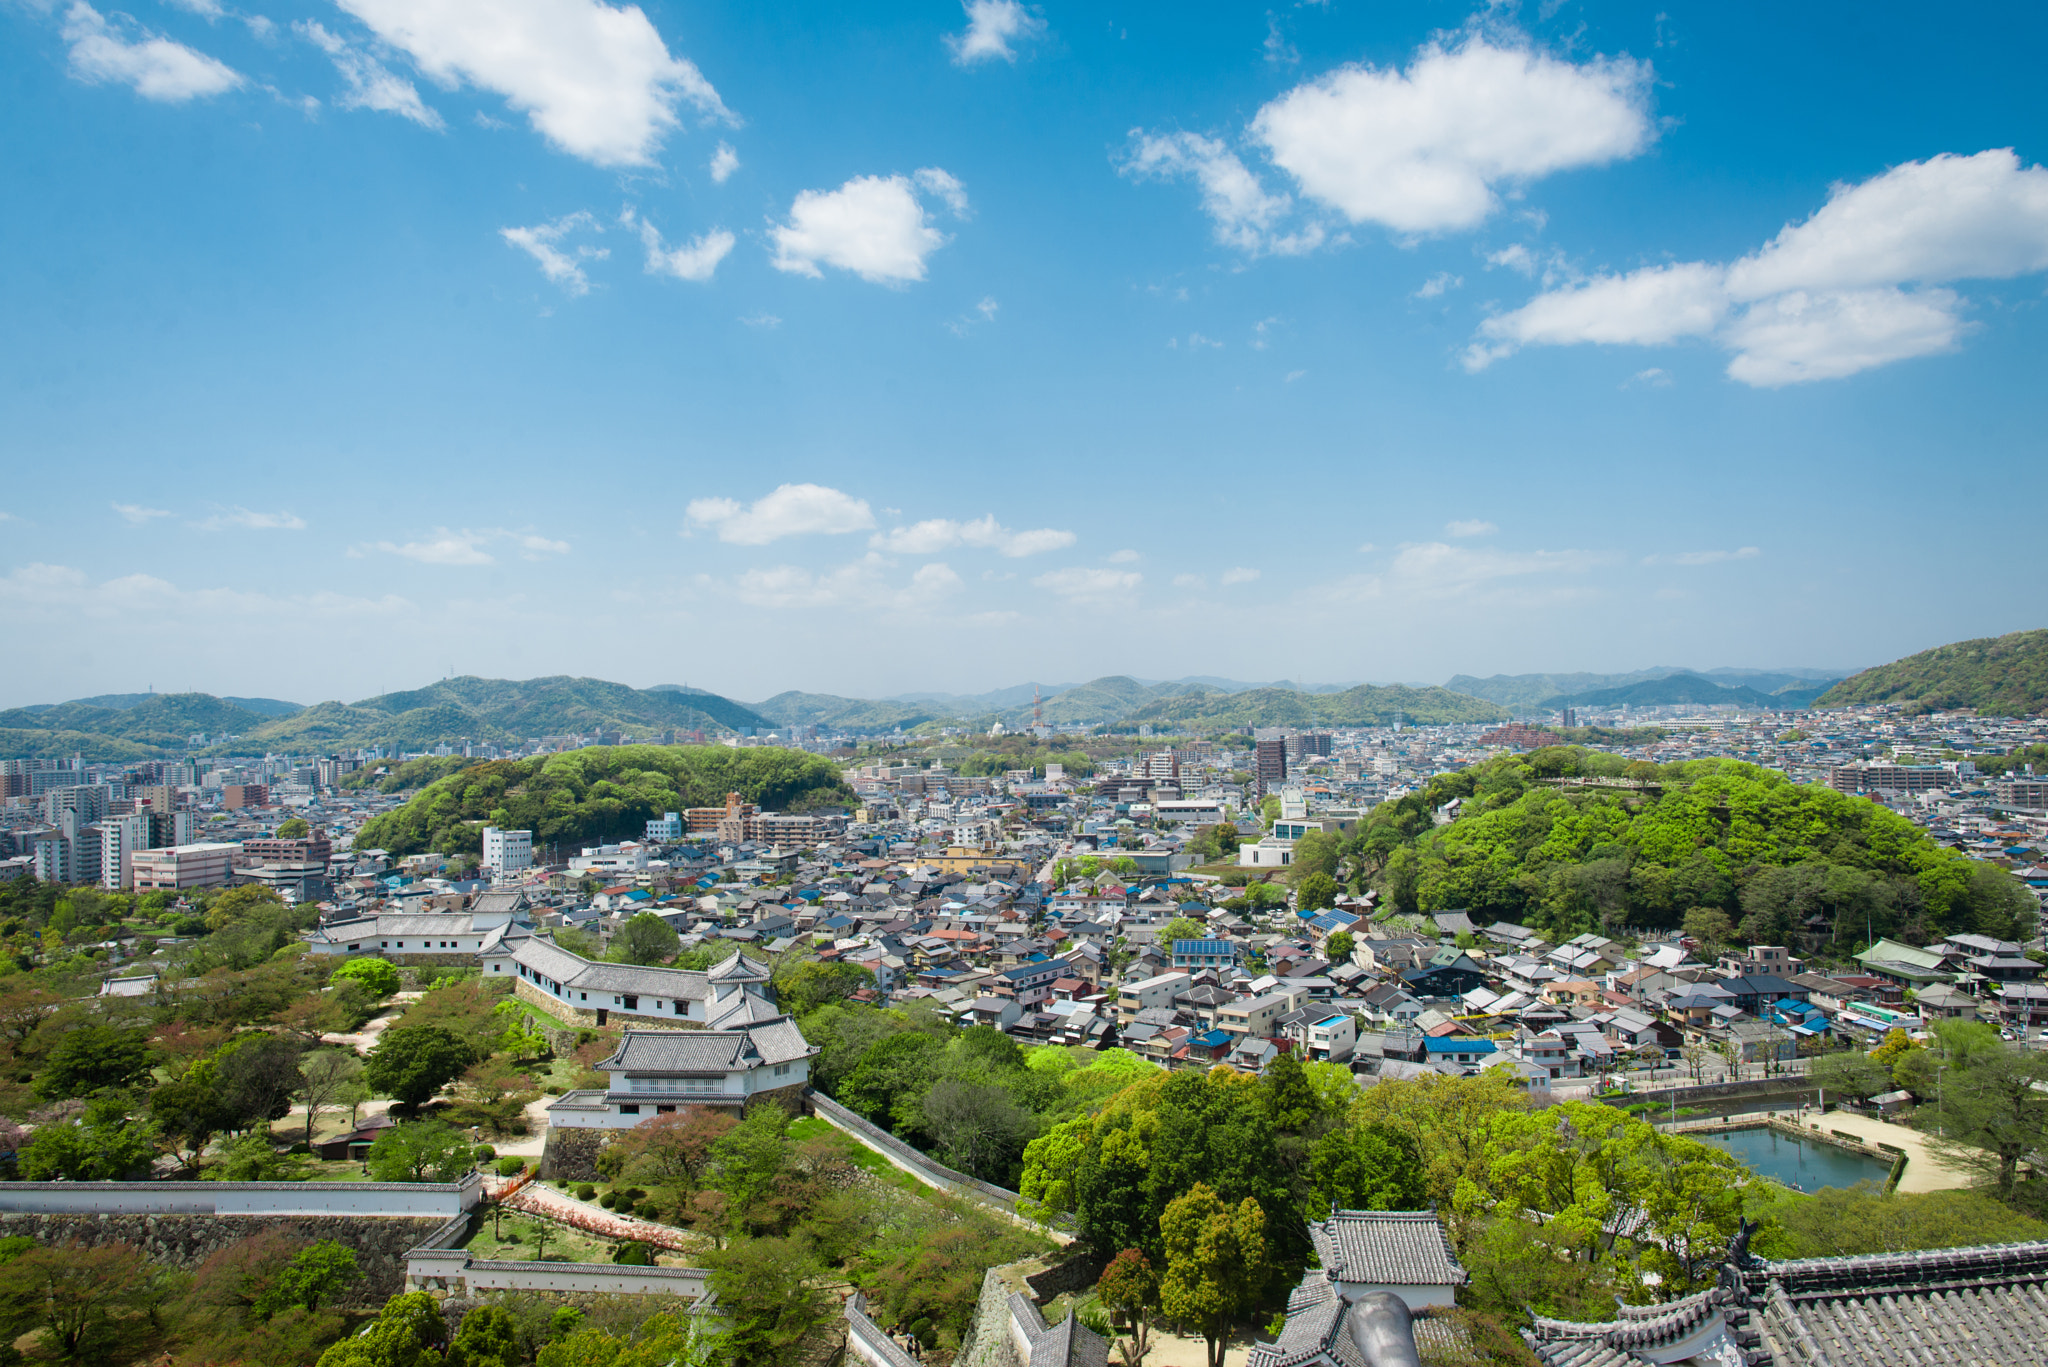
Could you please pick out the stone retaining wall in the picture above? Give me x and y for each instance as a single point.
(570, 1155)
(185, 1241)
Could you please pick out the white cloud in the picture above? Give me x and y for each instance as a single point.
(939, 534)
(465, 547)
(724, 162)
(1294, 375)
(1125, 557)
(1262, 333)
(1367, 548)
(135, 513)
(157, 68)
(1436, 567)
(250, 520)
(594, 80)
(1089, 583)
(873, 226)
(41, 593)
(1190, 581)
(764, 321)
(1515, 258)
(1648, 307)
(1278, 50)
(992, 26)
(860, 585)
(1703, 557)
(1438, 284)
(987, 308)
(208, 10)
(946, 186)
(696, 259)
(1851, 288)
(1656, 377)
(1422, 151)
(1244, 214)
(1240, 575)
(1470, 527)
(791, 510)
(444, 547)
(371, 85)
(557, 265)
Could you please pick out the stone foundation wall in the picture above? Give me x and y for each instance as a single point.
(1077, 1273)
(988, 1341)
(185, 1241)
(791, 1099)
(571, 1155)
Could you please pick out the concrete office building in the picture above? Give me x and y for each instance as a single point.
(204, 865)
(507, 851)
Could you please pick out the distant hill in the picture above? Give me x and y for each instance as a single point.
(160, 722)
(1546, 690)
(854, 715)
(1680, 689)
(17, 743)
(267, 707)
(1366, 705)
(506, 710)
(1999, 675)
(599, 793)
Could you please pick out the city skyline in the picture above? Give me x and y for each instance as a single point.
(930, 347)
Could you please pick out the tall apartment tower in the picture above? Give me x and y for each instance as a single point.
(507, 851)
(1271, 764)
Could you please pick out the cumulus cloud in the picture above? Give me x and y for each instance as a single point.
(992, 26)
(1470, 527)
(696, 259)
(1240, 575)
(1703, 557)
(155, 67)
(1125, 557)
(1245, 215)
(250, 520)
(874, 226)
(938, 534)
(1423, 150)
(371, 85)
(1854, 286)
(1438, 284)
(564, 268)
(594, 80)
(1089, 583)
(135, 514)
(791, 510)
(724, 162)
(465, 547)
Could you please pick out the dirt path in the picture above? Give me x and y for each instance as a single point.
(1925, 1169)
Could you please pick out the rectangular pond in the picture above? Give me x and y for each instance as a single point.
(1804, 1164)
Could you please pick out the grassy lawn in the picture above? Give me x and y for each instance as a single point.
(860, 1155)
(564, 1245)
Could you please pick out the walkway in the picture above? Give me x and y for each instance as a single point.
(1925, 1169)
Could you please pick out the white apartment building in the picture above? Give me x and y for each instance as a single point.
(207, 864)
(507, 851)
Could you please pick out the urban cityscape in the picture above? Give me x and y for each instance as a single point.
(975, 683)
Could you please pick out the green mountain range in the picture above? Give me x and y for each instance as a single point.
(1678, 689)
(857, 715)
(1999, 675)
(1366, 705)
(161, 722)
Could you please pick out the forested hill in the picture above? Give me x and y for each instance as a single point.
(1661, 844)
(1366, 705)
(599, 793)
(2003, 676)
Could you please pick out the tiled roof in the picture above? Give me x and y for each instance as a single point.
(708, 1051)
(1387, 1248)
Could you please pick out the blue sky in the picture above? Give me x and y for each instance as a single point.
(873, 348)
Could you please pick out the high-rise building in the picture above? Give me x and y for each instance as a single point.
(184, 866)
(507, 851)
(89, 803)
(53, 857)
(1270, 766)
(121, 838)
(1163, 765)
(235, 796)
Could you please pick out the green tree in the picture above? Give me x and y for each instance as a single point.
(1339, 946)
(91, 1058)
(1317, 892)
(327, 1078)
(670, 1339)
(1994, 1114)
(293, 828)
(1182, 928)
(91, 1305)
(1367, 1167)
(977, 1127)
(421, 1151)
(250, 903)
(813, 983)
(1847, 1222)
(769, 1292)
(99, 1148)
(647, 939)
(1129, 1290)
(412, 1062)
(1850, 1073)
(1216, 1264)
(889, 1084)
(254, 1158)
(486, 1338)
(408, 1332)
(313, 1278)
(189, 1110)
(380, 976)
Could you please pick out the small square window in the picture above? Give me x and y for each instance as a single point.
(630, 1108)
